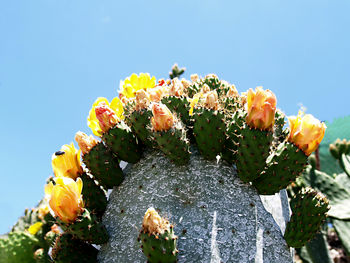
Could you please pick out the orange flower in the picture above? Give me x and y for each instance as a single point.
(107, 118)
(65, 198)
(306, 132)
(162, 119)
(261, 106)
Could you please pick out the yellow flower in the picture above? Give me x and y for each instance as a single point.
(116, 105)
(66, 162)
(162, 119)
(194, 101)
(130, 85)
(65, 198)
(33, 229)
(261, 106)
(306, 132)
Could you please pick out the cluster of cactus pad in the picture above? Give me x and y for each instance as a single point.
(207, 113)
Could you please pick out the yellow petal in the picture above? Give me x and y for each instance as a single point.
(33, 229)
(117, 106)
(48, 189)
(80, 185)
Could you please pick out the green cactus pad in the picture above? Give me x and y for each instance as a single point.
(87, 228)
(94, 196)
(104, 166)
(283, 166)
(140, 121)
(180, 105)
(160, 248)
(123, 143)
(174, 144)
(253, 147)
(309, 210)
(18, 247)
(229, 152)
(68, 249)
(209, 131)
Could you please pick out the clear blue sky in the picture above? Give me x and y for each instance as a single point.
(57, 57)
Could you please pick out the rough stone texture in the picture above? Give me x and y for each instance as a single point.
(216, 216)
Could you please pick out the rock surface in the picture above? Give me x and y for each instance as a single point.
(217, 217)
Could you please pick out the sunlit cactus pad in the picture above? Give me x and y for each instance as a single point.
(216, 217)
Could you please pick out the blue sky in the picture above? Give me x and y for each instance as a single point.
(57, 57)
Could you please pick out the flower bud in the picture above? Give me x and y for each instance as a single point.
(154, 224)
(211, 100)
(106, 117)
(162, 119)
(116, 106)
(85, 142)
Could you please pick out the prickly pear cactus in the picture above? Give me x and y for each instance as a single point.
(200, 154)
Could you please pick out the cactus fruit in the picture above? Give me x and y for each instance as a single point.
(283, 166)
(101, 162)
(158, 239)
(123, 143)
(86, 227)
(94, 196)
(68, 249)
(18, 246)
(309, 210)
(170, 134)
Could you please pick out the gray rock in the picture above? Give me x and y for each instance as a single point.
(217, 217)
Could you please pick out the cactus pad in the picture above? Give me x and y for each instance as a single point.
(309, 210)
(283, 167)
(104, 166)
(123, 143)
(254, 147)
(86, 227)
(209, 131)
(68, 249)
